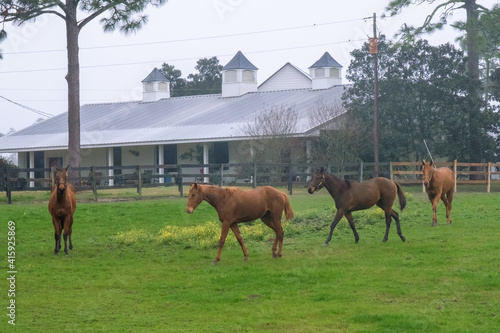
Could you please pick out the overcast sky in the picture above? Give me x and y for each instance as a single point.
(269, 32)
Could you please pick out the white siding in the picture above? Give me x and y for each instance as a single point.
(288, 77)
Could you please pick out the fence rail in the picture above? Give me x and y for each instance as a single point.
(97, 178)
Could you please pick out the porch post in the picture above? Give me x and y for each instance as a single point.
(111, 172)
(206, 169)
(32, 166)
(161, 161)
(308, 158)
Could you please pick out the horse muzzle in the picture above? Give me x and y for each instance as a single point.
(189, 210)
(61, 189)
(312, 189)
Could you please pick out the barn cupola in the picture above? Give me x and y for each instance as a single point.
(325, 72)
(239, 76)
(155, 87)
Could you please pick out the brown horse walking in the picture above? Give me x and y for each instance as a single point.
(351, 196)
(439, 184)
(235, 206)
(62, 206)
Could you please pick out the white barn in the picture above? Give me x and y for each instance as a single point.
(159, 129)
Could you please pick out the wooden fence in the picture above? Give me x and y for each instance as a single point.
(233, 174)
(482, 173)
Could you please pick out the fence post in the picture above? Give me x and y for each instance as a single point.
(254, 182)
(179, 179)
(94, 182)
(455, 173)
(361, 167)
(290, 178)
(139, 181)
(8, 190)
(52, 176)
(221, 175)
(489, 178)
(391, 176)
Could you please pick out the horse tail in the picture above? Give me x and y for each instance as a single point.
(401, 197)
(288, 209)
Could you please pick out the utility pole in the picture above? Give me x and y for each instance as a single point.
(374, 51)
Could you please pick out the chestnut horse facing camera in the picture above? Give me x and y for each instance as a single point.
(439, 184)
(235, 206)
(350, 196)
(62, 206)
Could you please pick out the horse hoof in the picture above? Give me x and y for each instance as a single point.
(434, 225)
(403, 239)
(325, 245)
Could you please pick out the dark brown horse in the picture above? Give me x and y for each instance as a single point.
(351, 196)
(62, 206)
(439, 184)
(235, 206)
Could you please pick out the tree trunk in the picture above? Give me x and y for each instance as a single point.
(73, 80)
(476, 154)
(472, 39)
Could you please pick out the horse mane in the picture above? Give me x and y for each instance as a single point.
(209, 189)
(347, 183)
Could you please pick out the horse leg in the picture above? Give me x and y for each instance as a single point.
(336, 220)
(435, 202)
(57, 234)
(236, 231)
(65, 242)
(70, 231)
(387, 225)
(222, 240)
(395, 216)
(278, 230)
(353, 227)
(449, 198)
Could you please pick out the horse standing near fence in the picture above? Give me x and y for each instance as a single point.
(439, 184)
(350, 196)
(235, 206)
(62, 206)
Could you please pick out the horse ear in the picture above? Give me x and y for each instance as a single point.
(322, 170)
(66, 169)
(431, 163)
(195, 185)
(423, 162)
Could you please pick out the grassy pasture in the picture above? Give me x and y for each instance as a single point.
(137, 268)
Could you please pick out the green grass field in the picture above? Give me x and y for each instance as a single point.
(145, 266)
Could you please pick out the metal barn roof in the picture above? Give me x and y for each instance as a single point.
(174, 120)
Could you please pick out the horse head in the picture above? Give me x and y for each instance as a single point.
(195, 197)
(61, 179)
(317, 182)
(427, 171)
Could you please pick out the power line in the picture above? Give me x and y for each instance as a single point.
(41, 113)
(177, 59)
(194, 38)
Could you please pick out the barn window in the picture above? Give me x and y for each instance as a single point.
(230, 77)
(221, 152)
(162, 86)
(334, 72)
(319, 72)
(249, 76)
